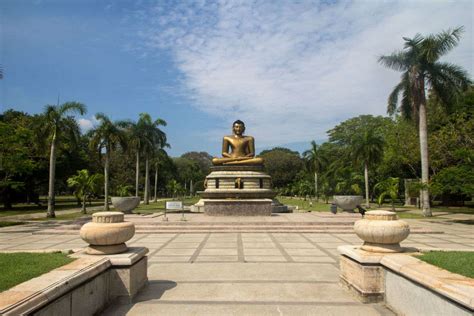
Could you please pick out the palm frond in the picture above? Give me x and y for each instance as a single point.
(393, 98)
(434, 46)
(396, 61)
(413, 43)
(69, 107)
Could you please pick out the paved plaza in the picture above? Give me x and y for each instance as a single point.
(244, 273)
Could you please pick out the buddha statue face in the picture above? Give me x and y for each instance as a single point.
(238, 128)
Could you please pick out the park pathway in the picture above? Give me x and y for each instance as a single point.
(242, 273)
(245, 274)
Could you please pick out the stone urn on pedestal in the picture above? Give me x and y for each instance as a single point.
(125, 204)
(348, 202)
(381, 231)
(107, 233)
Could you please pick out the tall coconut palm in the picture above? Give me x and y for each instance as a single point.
(135, 134)
(107, 135)
(367, 148)
(57, 124)
(153, 138)
(159, 156)
(145, 138)
(419, 62)
(316, 162)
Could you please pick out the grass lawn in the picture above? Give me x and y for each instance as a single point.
(459, 262)
(62, 203)
(62, 217)
(308, 205)
(6, 224)
(20, 267)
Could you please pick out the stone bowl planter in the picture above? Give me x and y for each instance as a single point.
(381, 231)
(125, 204)
(107, 233)
(348, 202)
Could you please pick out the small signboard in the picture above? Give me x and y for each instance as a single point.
(174, 205)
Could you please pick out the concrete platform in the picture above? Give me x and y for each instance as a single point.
(243, 273)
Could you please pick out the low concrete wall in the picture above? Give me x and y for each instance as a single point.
(406, 284)
(406, 297)
(83, 287)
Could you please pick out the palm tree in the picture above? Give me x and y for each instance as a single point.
(388, 187)
(108, 135)
(160, 154)
(316, 161)
(153, 138)
(84, 185)
(367, 148)
(419, 62)
(57, 123)
(145, 138)
(135, 132)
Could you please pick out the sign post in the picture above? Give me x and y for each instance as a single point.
(174, 205)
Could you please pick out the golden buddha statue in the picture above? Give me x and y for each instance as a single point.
(238, 149)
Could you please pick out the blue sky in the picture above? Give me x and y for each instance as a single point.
(291, 70)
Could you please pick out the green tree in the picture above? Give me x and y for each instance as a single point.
(56, 124)
(15, 159)
(85, 185)
(158, 158)
(107, 135)
(419, 62)
(152, 138)
(188, 171)
(316, 162)
(367, 148)
(283, 165)
(361, 139)
(174, 188)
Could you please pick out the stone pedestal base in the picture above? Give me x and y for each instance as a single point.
(127, 273)
(126, 281)
(362, 275)
(240, 207)
(106, 250)
(277, 207)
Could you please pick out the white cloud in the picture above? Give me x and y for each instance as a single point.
(292, 70)
(87, 124)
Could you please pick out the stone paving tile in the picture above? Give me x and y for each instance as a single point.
(182, 245)
(189, 239)
(241, 272)
(175, 252)
(5, 246)
(234, 308)
(265, 258)
(218, 252)
(262, 252)
(305, 252)
(247, 292)
(154, 239)
(157, 259)
(448, 245)
(220, 244)
(318, 259)
(299, 245)
(219, 258)
(259, 245)
(31, 247)
(331, 245)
